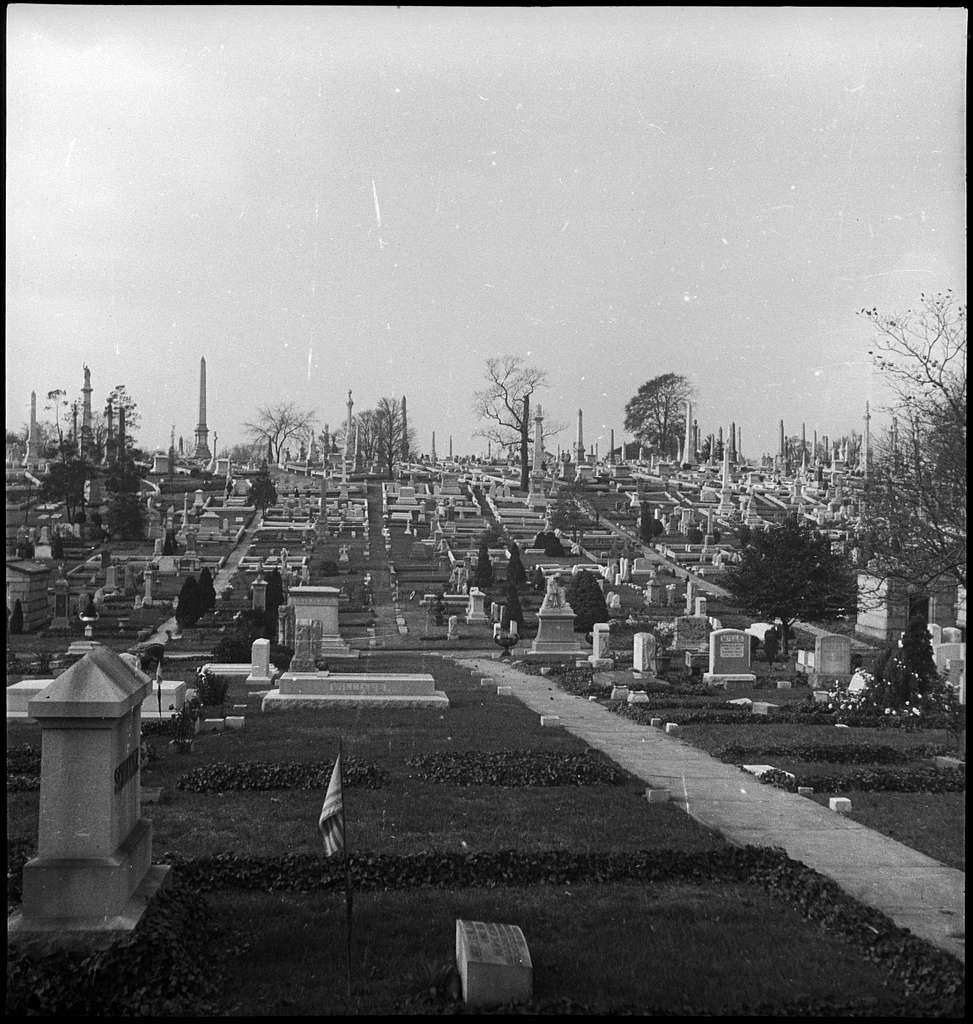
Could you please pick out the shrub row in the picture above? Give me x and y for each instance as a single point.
(889, 780)
(924, 970)
(221, 776)
(642, 714)
(838, 753)
(515, 768)
(136, 985)
(165, 968)
(797, 715)
(24, 760)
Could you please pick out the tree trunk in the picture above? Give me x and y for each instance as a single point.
(524, 444)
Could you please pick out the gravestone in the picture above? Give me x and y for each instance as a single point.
(260, 669)
(600, 646)
(859, 682)
(494, 964)
(729, 660)
(92, 877)
(951, 635)
(475, 606)
(452, 627)
(643, 653)
(949, 652)
(701, 608)
(832, 661)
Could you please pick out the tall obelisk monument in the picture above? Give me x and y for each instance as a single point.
(202, 451)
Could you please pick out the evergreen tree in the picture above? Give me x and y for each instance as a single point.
(552, 546)
(207, 592)
(17, 618)
(512, 610)
(586, 600)
(907, 671)
(126, 516)
(483, 574)
(189, 610)
(537, 581)
(790, 572)
(57, 547)
(516, 573)
(262, 491)
(275, 598)
(645, 523)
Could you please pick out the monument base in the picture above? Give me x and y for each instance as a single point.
(376, 690)
(39, 935)
(739, 681)
(828, 681)
(274, 700)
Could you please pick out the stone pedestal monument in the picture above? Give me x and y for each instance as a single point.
(93, 876)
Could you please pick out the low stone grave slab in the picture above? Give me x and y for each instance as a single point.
(505, 691)
(672, 729)
(762, 707)
(805, 790)
(841, 804)
(784, 684)
(550, 721)
(638, 697)
(351, 689)
(761, 769)
(173, 698)
(821, 696)
(741, 702)
(18, 694)
(657, 722)
(150, 794)
(657, 796)
(487, 681)
(619, 693)
(494, 964)
(730, 681)
(235, 722)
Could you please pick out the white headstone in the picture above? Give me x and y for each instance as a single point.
(494, 964)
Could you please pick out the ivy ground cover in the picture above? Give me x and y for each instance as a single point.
(610, 928)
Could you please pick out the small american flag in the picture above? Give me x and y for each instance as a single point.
(330, 822)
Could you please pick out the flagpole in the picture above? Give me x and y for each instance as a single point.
(344, 835)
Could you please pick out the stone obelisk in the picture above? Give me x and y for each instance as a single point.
(202, 452)
(86, 437)
(32, 457)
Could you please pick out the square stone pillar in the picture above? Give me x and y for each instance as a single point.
(94, 850)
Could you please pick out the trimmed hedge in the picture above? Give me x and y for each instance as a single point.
(514, 768)
(838, 753)
(220, 776)
(165, 968)
(877, 780)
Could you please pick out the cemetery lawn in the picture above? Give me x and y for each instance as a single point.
(604, 947)
(709, 946)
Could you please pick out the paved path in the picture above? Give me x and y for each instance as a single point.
(220, 579)
(916, 891)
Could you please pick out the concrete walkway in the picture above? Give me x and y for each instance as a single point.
(220, 579)
(915, 891)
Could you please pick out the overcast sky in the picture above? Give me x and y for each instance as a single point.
(324, 198)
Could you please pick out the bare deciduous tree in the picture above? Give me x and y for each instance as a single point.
(275, 425)
(505, 404)
(915, 516)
